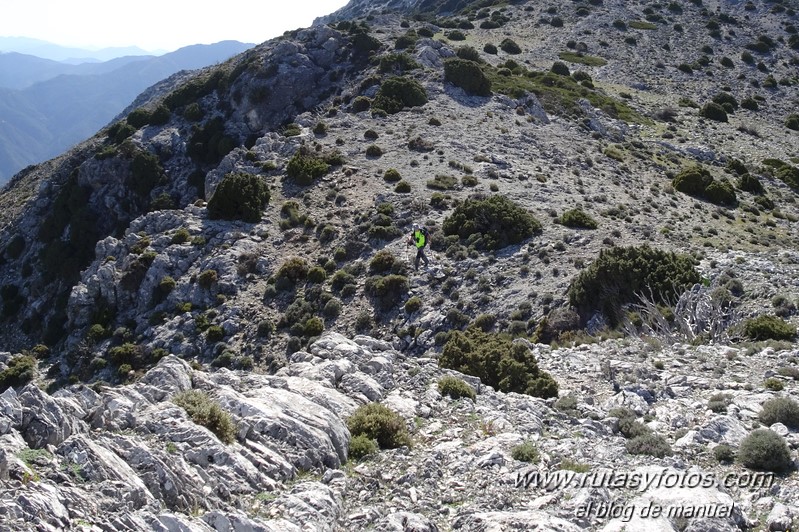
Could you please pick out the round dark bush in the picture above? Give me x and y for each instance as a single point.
(362, 445)
(577, 218)
(713, 111)
(497, 221)
(560, 68)
(397, 93)
(767, 327)
(792, 122)
(303, 168)
(649, 444)
(498, 362)
(764, 449)
(379, 423)
(490, 49)
(619, 273)
(455, 388)
(239, 196)
(467, 75)
(780, 410)
(468, 53)
(509, 46)
(391, 175)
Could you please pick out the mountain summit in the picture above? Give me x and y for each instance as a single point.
(212, 311)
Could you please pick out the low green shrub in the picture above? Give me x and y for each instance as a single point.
(373, 150)
(577, 218)
(713, 111)
(265, 328)
(509, 46)
(498, 362)
(455, 388)
(207, 278)
(719, 402)
(766, 327)
(442, 182)
(696, 181)
(391, 176)
(792, 122)
(214, 333)
(726, 99)
(304, 167)
(413, 304)
(290, 273)
(560, 69)
(649, 444)
(492, 223)
(387, 290)
(525, 452)
(397, 93)
(749, 183)
(780, 410)
(467, 75)
(20, 371)
(619, 273)
(403, 187)
(379, 423)
(724, 453)
(362, 445)
(239, 196)
(764, 449)
(206, 412)
(468, 53)
(773, 384)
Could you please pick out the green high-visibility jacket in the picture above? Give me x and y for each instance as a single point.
(419, 239)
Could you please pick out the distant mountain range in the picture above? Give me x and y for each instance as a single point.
(65, 54)
(47, 106)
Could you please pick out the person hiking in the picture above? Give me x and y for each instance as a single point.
(419, 237)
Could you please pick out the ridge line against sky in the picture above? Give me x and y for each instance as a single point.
(156, 25)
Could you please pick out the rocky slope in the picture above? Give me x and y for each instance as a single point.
(112, 257)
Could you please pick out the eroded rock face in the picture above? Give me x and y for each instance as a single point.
(127, 457)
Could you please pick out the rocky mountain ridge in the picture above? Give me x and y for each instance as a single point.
(143, 290)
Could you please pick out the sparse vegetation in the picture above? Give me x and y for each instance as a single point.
(206, 412)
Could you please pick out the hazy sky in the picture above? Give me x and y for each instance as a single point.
(157, 24)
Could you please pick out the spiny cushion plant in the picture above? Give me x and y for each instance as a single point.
(619, 274)
(496, 221)
(498, 362)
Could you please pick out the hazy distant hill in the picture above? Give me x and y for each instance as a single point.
(55, 52)
(45, 118)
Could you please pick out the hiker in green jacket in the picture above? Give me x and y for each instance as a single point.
(419, 237)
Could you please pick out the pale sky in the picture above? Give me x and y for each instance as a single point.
(157, 24)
